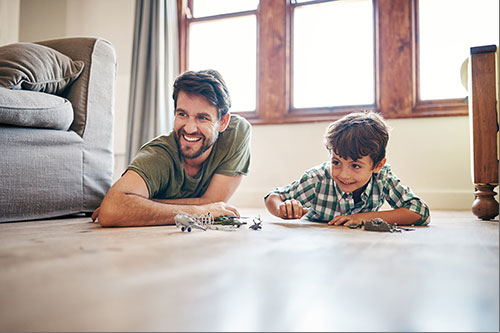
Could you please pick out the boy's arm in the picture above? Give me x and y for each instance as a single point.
(399, 216)
(288, 209)
(407, 207)
(288, 201)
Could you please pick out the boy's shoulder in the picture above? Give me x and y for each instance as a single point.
(385, 171)
(320, 171)
(385, 176)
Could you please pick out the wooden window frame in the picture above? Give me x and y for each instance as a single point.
(396, 56)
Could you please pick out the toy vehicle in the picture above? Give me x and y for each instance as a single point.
(228, 220)
(187, 222)
(257, 224)
(378, 224)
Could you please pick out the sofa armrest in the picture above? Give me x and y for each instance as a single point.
(96, 83)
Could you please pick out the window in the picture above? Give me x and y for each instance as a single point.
(323, 76)
(233, 55)
(447, 30)
(223, 36)
(298, 60)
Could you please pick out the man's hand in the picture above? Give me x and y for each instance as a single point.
(95, 214)
(291, 209)
(218, 209)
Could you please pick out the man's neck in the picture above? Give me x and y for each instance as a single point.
(193, 165)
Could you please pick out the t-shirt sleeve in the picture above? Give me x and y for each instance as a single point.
(237, 141)
(151, 164)
(400, 196)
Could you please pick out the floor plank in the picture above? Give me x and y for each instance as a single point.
(73, 275)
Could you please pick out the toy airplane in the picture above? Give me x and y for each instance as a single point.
(204, 222)
(187, 222)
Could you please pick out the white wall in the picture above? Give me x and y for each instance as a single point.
(41, 20)
(431, 155)
(9, 21)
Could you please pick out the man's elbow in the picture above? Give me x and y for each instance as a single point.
(107, 217)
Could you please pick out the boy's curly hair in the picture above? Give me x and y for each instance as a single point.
(207, 83)
(357, 135)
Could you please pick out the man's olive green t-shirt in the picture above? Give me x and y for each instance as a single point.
(159, 163)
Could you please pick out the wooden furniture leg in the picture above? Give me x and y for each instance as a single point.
(483, 114)
(485, 206)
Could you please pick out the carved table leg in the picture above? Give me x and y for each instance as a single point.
(485, 206)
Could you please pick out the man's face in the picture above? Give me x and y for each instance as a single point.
(196, 126)
(351, 175)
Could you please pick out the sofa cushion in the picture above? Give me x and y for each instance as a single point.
(34, 109)
(36, 67)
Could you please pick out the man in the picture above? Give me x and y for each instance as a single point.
(194, 169)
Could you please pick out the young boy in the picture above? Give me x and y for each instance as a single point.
(352, 187)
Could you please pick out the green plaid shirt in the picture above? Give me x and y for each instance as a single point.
(317, 191)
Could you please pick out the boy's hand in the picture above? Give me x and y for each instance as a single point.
(291, 209)
(346, 220)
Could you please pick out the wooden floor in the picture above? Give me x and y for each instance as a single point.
(73, 275)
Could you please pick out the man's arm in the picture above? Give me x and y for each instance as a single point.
(127, 203)
(221, 188)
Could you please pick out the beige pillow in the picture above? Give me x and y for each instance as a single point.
(36, 67)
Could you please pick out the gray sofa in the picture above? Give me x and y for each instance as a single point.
(56, 148)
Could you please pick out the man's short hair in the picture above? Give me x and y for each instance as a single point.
(207, 83)
(357, 135)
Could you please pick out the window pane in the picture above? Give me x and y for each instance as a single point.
(448, 29)
(215, 7)
(333, 54)
(228, 46)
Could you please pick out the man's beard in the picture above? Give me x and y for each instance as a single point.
(194, 154)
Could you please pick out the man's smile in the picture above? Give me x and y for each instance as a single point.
(191, 138)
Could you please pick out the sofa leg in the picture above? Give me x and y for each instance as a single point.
(485, 206)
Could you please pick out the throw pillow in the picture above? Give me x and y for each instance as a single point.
(36, 67)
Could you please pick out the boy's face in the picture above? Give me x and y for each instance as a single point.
(351, 175)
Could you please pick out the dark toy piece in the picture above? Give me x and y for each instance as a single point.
(229, 220)
(257, 224)
(378, 224)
